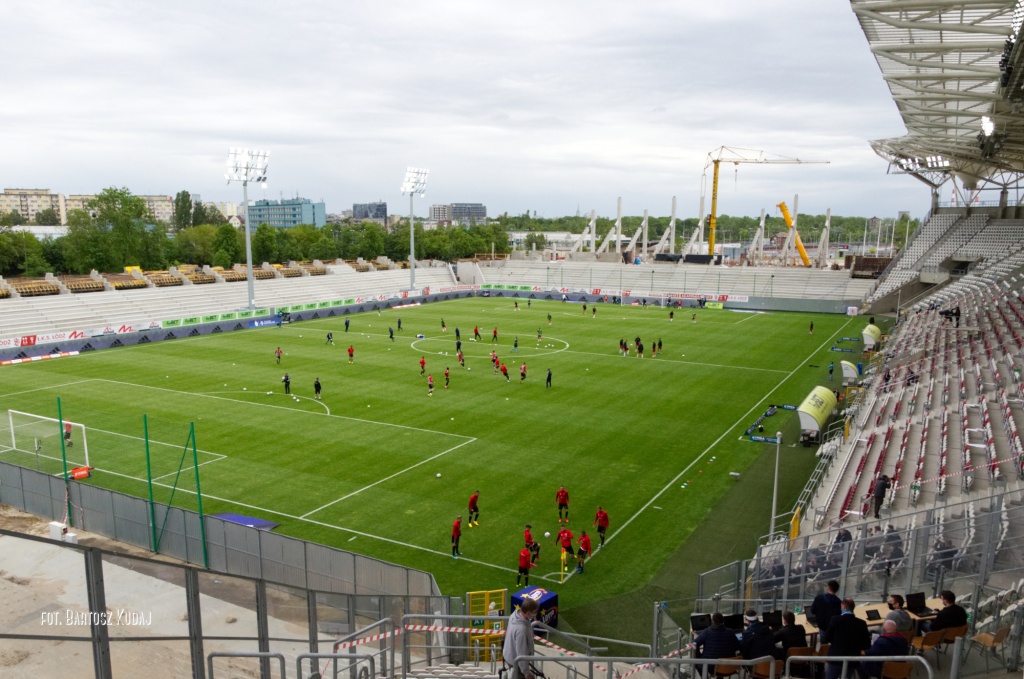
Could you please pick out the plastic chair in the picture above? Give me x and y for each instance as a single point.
(801, 668)
(929, 642)
(952, 634)
(722, 671)
(988, 643)
(892, 669)
(762, 670)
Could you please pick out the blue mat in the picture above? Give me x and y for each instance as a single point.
(251, 522)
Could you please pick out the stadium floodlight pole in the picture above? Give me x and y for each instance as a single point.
(247, 166)
(415, 184)
(775, 487)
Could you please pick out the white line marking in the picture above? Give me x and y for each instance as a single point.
(673, 360)
(303, 398)
(267, 405)
(56, 386)
(747, 318)
(164, 476)
(388, 478)
(738, 423)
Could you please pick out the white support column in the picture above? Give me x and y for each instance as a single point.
(618, 227)
(672, 229)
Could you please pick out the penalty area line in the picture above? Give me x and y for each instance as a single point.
(387, 478)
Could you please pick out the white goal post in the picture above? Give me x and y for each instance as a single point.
(42, 435)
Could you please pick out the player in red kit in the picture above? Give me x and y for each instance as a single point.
(474, 509)
(564, 538)
(423, 365)
(456, 534)
(601, 521)
(524, 566)
(504, 371)
(562, 498)
(476, 333)
(531, 544)
(494, 335)
(430, 385)
(446, 377)
(351, 353)
(583, 552)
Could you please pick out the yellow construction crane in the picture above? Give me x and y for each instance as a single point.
(796, 234)
(735, 156)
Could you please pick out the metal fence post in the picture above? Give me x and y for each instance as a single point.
(194, 611)
(98, 614)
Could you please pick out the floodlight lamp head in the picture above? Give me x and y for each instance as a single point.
(415, 182)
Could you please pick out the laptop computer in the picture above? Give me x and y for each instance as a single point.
(773, 619)
(917, 606)
(734, 622)
(873, 615)
(700, 622)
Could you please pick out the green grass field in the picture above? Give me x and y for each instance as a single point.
(358, 469)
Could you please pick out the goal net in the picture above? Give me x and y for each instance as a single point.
(41, 437)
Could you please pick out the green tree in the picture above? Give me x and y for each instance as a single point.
(226, 241)
(535, 239)
(182, 211)
(12, 218)
(196, 244)
(199, 215)
(53, 253)
(215, 216)
(87, 245)
(287, 247)
(123, 216)
(222, 259)
(48, 217)
(264, 245)
(372, 241)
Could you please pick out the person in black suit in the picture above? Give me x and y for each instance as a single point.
(791, 635)
(716, 642)
(848, 635)
(952, 614)
(826, 606)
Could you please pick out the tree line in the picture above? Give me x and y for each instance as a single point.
(117, 230)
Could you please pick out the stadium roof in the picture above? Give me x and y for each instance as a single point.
(956, 77)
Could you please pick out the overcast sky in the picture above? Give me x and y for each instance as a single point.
(545, 106)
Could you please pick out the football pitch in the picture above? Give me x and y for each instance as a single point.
(381, 468)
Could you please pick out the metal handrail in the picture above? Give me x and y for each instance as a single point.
(355, 657)
(388, 625)
(240, 654)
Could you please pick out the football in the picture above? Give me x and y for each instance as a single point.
(547, 534)
(439, 475)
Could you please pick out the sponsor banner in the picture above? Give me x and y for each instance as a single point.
(457, 288)
(852, 311)
(842, 349)
(714, 305)
(211, 318)
(28, 341)
(191, 320)
(764, 439)
(171, 324)
(339, 302)
(323, 305)
(294, 307)
(307, 307)
(262, 322)
(228, 317)
(245, 314)
(262, 312)
(153, 325)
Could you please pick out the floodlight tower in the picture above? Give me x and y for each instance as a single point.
(247, 166)
(415, 184)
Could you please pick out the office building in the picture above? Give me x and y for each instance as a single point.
(287, 213)
(375, 211)
(468, 213)
(441, 213)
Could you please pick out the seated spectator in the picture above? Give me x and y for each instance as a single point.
(717, 641)
(897, 615)
(843, 536)
(757, 640)
(848, 635)
(873, 543)
(889, 642)
(950, 615)
(791, 635)
(943, 555)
